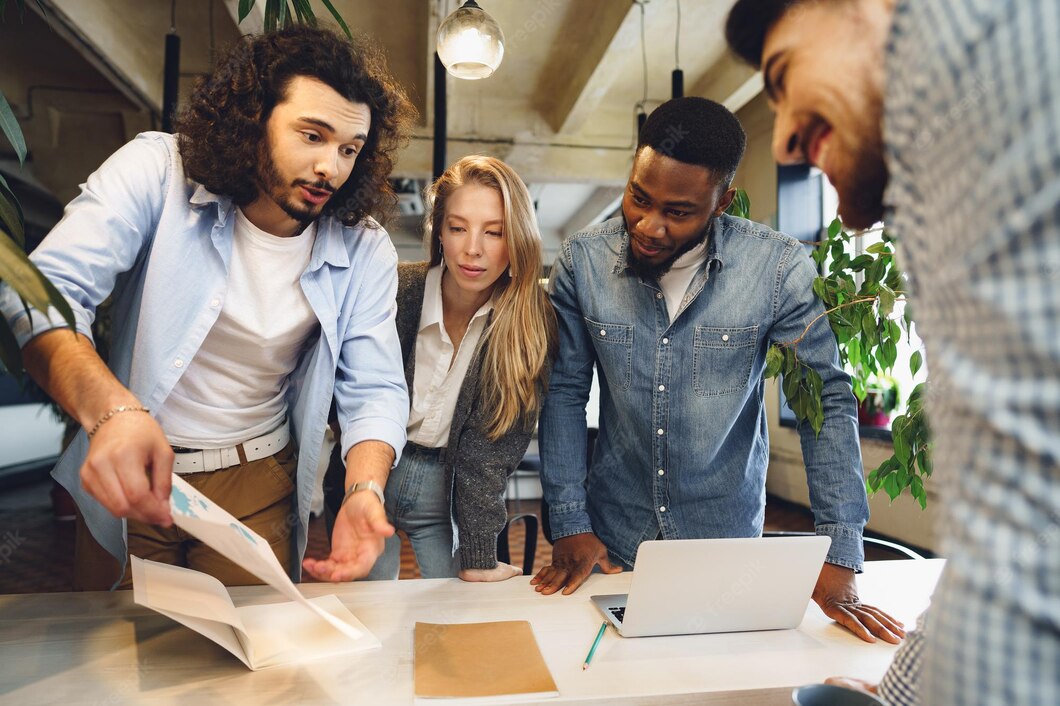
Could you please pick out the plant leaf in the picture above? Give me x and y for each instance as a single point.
(338, 18)
(305, 12)
(774, 359)
(11, 130)
(834, 228)
(245, 6)
(11, 218)
(21, 275)
(915, 361)
(886, 301)
(271, 14)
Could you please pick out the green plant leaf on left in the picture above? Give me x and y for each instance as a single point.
(11, 218)
(11, 130)
(21, 275)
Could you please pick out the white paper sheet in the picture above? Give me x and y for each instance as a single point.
(261, 636)
(209, 523)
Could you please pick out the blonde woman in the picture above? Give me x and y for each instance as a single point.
(477, 334)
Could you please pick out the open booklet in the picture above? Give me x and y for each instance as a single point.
(262, 635)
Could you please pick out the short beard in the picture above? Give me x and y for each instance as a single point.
(271, 184)
(861, 200)
(646, 270)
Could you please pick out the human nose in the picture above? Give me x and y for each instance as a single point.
(473, 244)
(786, 146)
(327, 166)
(652, 226)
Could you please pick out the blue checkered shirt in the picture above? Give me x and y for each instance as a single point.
(972, 132)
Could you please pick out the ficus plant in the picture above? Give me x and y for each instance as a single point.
(868, 329)
(16, 269)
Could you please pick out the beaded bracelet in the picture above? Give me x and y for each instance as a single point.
(114, 411)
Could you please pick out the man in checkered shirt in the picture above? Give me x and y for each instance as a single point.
(942, 118)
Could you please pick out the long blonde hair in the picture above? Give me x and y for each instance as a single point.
(521, 336)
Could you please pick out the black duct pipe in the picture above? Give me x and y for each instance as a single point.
(440, 129)
(677, 84)
(170, 81)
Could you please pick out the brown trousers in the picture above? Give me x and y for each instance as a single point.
(258, 493)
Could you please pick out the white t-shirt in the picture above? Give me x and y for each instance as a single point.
(234, 389)
(439, 371)
(675, 282)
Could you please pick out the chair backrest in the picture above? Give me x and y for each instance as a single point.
(895, 547)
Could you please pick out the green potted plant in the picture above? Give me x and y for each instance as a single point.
(881, 398)
(859, 295)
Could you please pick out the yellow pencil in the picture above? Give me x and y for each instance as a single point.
(596, 643)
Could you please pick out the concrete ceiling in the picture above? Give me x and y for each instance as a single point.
(560, 109)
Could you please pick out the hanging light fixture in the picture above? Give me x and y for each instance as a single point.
(470, 42)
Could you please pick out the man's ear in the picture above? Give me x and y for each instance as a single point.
(726, 199)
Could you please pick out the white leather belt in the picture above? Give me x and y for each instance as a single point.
(204, 460)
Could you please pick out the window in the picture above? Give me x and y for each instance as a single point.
(806, 204)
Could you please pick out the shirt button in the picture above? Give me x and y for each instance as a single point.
(178, 363)
(666, 340)
(662, 508)
(725, 337)
(660, 432)
(658, 295)
(662, 388)
(662, 472)
(603, 332)
(215, 303)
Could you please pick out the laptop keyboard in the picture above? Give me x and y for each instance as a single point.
(619, 613)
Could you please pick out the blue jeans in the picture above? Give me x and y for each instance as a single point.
(418, 503)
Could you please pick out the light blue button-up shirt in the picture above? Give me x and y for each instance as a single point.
(683, 449)
(161, 243)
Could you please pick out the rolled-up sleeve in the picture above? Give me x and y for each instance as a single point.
(371, 397)
(100, 236)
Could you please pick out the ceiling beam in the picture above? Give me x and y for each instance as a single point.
(68, 20)
(598, 206)
(580, 73)
(729, 82)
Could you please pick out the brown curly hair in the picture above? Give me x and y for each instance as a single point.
(222, 129)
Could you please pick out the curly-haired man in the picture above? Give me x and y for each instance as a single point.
(250, 286)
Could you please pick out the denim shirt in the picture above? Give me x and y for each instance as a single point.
(162, 244)
(683, 448)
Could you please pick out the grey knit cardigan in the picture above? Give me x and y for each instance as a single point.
(477, 467)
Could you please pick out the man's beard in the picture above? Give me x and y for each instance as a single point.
(647, 270)
(861, 196)
(272, 185)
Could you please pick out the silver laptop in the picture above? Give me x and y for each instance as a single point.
(692, 586)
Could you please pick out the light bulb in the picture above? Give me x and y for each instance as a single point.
(470, 43)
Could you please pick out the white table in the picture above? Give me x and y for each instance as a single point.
(101, 648)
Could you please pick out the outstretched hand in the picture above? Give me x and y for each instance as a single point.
(361, 528)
